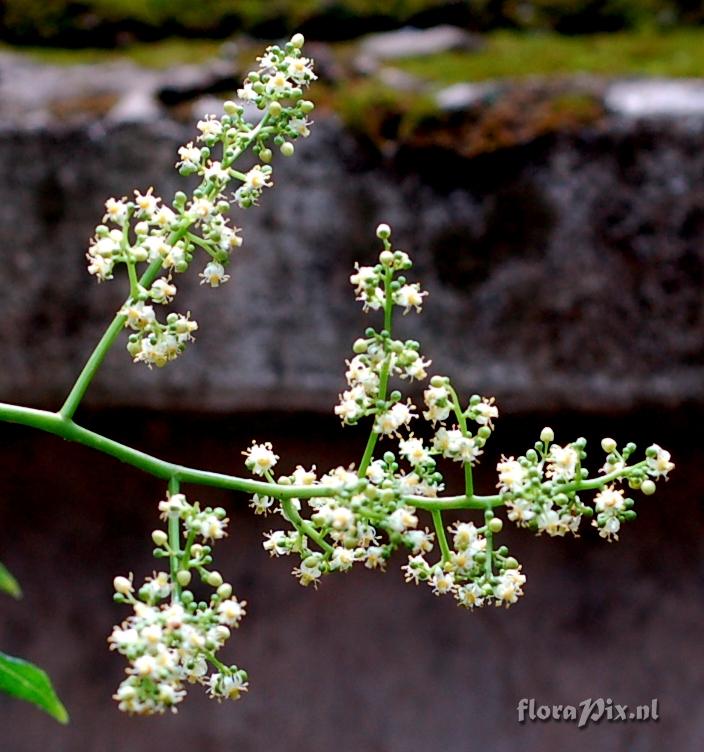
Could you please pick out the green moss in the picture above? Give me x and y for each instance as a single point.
(379, 111)
(160, 54)
(512, 54)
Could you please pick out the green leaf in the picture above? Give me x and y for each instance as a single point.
(8, 584)
(25, 681)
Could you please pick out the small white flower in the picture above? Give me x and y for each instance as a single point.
(659, 465)
(231, 612)
(409, 296)
(214, 274)
(260, 458)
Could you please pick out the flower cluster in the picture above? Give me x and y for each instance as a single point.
(171, 638)
(349, 516)
(541, 489)
(355, 514)
(155, 241)
(471, 572)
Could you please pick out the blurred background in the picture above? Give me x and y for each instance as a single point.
(542, 162)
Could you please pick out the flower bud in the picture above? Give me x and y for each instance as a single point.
(160, 538)
(386, 258)
(608, 445)
(275, 109)
(547, 435)
(183, 578)
(225, 590)
(495, 525)
(298, 40)
(287, 149)
(647, 487)
(214, 579)
(122, 585)
(383, 232)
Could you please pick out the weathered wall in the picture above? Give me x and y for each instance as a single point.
(566, 271)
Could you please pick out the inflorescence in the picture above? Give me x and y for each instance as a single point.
(351, 514)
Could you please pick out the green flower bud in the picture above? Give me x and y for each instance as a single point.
(214, 579)
(160, 538)
(225, 590)
(383, 232)
(547, 435)
(183, 577)
(647, 487)
(495, 525)
(287, 149)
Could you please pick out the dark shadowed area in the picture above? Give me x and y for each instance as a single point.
(367, 661)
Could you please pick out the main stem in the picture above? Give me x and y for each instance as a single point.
(383, 378)
(174, 530)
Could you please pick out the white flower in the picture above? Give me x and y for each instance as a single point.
(210, 128)
(484, 411)
(190, 155)
(215, 171)
(438, 402)
(417, 569)
(201, 208)
(520, 511)
(116, 210)
(508, 589)
(300, 69)
(512, 475)
(260, 458)
(231, 611)
(402, 519)
(276, 543)
(162, 291)
(441, 582)
(174, 506)
(609, 529)
(228, 687)
(470, 595)
(400, 414)
(342, 559)
(420, 541)
(211, 527)
(278, 84)
(413, 450)
(562, 462)
(247, 92)
(659, 465)
(214, 274)
(409, 296)
(146, 202)
(257, 178)
(300, 126)
(609, 500)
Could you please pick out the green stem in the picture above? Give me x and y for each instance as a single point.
(488, 568)
(174, 543)
(440, 534)
(56, 424)
(113, 331)
(134, 282)
(98, 355)
(462, 420)
(303, 527)
(383, 378)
